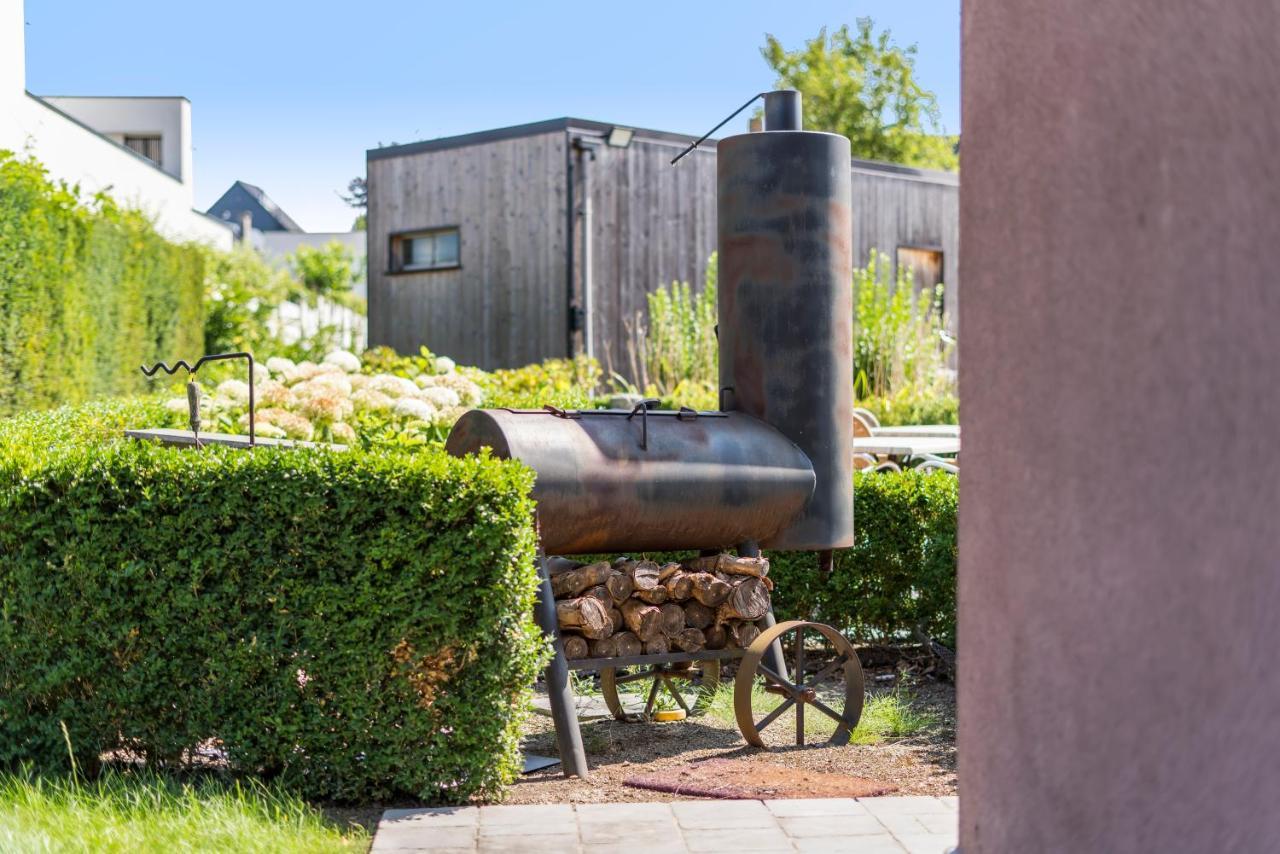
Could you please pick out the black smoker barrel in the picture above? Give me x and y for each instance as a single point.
(613, 481)
(786, 304)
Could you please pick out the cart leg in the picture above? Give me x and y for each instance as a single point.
(573, 761)
(773, 657)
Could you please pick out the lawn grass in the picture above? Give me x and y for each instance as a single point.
(147, 813)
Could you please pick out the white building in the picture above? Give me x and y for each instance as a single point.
(137, 149)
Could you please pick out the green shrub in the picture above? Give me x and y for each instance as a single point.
(900, 572)
(351, 625)
(88, 291)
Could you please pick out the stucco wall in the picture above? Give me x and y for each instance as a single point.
(75, 154)
(117, 117)
(1119, 574)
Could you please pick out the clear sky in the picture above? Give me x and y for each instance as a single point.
(288, 95)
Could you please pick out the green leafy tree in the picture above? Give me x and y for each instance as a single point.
(326, 272)
(863, 85)
(242, 292)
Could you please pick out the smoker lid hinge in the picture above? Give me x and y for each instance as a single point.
(562, 413)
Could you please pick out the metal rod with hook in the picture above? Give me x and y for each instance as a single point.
(193, 401)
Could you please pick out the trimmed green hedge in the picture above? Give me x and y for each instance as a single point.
(354, 625)
(88, 291)
(901, 571)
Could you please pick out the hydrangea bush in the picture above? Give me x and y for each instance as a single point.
(337, 400)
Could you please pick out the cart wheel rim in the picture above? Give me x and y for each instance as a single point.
(662, 682)
(802, 693)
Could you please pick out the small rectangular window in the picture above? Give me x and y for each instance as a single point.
(148, 146)
(436, 249)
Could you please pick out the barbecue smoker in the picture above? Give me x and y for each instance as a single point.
(772, 469)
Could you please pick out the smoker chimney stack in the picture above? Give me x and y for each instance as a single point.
(786, 303)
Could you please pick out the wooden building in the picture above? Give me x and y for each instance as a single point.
(509, 246)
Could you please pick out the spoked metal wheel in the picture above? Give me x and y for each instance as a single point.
(823, 698)
(690, 685)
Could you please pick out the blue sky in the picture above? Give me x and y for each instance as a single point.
(288, 95)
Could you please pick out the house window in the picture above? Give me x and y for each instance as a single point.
(436, 249)
(147, 146)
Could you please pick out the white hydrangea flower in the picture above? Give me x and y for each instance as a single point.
(392, 385)
(332, 383)
(358, 381)
(343, 432)
(260, 372)
(264, 429)
(468, 392)
(410, 407)
(176, 404)
(302, 372)
(445, 365)
(274, 393)
(372, 400)
(349, 362)
(234, 390)
(280, 365)
(440, 397)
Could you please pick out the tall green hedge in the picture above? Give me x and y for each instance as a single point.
(354, 625)
(88, 291)
(901, 571)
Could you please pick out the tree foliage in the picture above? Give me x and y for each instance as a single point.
(863, 85)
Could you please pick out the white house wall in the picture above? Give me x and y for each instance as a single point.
(74, 153)
(169, 118)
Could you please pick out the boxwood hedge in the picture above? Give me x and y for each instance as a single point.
(900, 573)
(354, 625)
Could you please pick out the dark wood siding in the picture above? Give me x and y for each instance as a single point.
(505, 304)
(652, 223)
(893, 209)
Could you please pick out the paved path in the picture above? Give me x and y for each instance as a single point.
(917, 825)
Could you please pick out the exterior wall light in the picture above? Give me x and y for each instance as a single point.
(620, 137)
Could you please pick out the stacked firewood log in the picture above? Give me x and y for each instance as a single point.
(639, 607)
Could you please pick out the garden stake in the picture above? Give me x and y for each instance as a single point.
(193, 388)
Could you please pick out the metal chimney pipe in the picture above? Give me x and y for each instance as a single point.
(786, 304)
(782, 110)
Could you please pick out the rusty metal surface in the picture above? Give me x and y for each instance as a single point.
(707, 481)
(786, 310)
(804, 690)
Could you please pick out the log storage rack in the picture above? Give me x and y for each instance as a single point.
(772, 468)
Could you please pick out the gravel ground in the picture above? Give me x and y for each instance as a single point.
(919, 765)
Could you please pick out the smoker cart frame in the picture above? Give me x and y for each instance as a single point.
(766, 648)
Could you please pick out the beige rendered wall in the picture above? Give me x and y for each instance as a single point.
(1120, 519)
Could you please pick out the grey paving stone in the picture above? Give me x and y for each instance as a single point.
(940, 823)
(638, 812)
(541, 844)
(418, 837)
(902, 825)
(929, 843)
(434, 816)
(950, 800)
(641, 833)
(737, 839)
(815, 806)
(670, 846)
(831, 825)
(899, 804)
(528, 815)
(881, 843)
(727, 815)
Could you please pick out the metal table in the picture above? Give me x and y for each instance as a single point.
(919, 431)
(903, 447)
